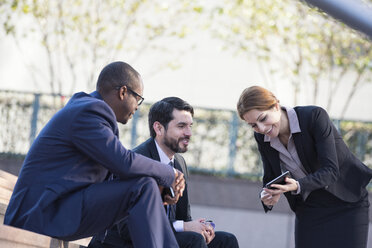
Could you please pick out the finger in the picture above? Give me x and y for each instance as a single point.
(180, 181)
(269, 191)
(278, 189)
(182, 188)
(179, 174)
(178, 185)
(167, 197)
(208, 237)
(268, 201)
(204, 235)
(267, 197)
(209, 228)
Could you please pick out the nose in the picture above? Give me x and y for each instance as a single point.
(188, 131)
(260, 128)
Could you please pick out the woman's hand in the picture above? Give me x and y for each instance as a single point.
(291, 185)
(271, 196)
(268, 198)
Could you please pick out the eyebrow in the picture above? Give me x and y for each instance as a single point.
(184, 123)
(258, 117)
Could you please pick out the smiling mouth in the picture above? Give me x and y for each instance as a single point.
(185, 141)
(267, 133)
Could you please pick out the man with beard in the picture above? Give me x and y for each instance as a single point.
(170, 122)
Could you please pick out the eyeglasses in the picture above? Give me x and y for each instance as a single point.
(139, 102)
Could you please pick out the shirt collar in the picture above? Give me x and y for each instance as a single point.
(163, 157)
(294, 126)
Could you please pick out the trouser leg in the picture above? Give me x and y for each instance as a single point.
(190, 240)
(224, 240)
(147, 218)
(107, 203)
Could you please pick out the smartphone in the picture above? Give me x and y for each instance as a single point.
(168, 191)
(279, 180)
(210, 222)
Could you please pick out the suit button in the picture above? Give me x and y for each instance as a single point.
(326, 187)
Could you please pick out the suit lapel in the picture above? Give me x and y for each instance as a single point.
(272, 156)
(297, 138)
(153, 151)
(177, 164)
(154, 154)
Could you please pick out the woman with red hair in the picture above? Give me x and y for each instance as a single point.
(327, 188)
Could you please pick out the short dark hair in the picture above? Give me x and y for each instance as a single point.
(116, 74)
(162, 111)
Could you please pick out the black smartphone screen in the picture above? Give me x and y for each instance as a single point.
(279, 180)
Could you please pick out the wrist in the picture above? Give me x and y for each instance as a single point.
(297, 190)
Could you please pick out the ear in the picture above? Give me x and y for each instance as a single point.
(277, 106)
(158, 128)
(121, 92)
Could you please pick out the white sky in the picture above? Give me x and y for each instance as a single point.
(208, 77)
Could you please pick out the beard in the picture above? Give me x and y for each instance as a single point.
(174, 144)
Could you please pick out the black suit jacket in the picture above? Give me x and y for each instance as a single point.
(325, 156)
(148, 149)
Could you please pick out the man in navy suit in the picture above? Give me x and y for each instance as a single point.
(170, 122)
(62, 189)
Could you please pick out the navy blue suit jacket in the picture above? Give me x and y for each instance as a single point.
(326, 158)
(78, 147)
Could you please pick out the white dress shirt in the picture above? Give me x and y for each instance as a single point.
(178, 224)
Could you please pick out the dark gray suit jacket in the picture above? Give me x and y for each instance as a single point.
(119, 234)
(326, 158)
(148, 149)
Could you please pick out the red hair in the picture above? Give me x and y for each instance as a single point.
(255, 97)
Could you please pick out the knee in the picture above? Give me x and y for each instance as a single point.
(147, 186)
(197, 239)
(228, 239)
(149, 183)
(231, 240)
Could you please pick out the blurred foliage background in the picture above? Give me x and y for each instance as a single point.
(221, 144)
(287, 39)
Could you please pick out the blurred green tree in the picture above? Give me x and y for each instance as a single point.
(78, 37)
(294, 42)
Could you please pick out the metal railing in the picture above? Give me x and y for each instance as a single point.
(221, 142)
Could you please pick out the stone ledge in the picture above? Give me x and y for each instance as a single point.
(11, 237)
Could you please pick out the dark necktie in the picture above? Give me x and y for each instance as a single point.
(171, 210)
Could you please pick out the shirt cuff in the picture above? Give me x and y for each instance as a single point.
(298, 191)
(178, 225)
